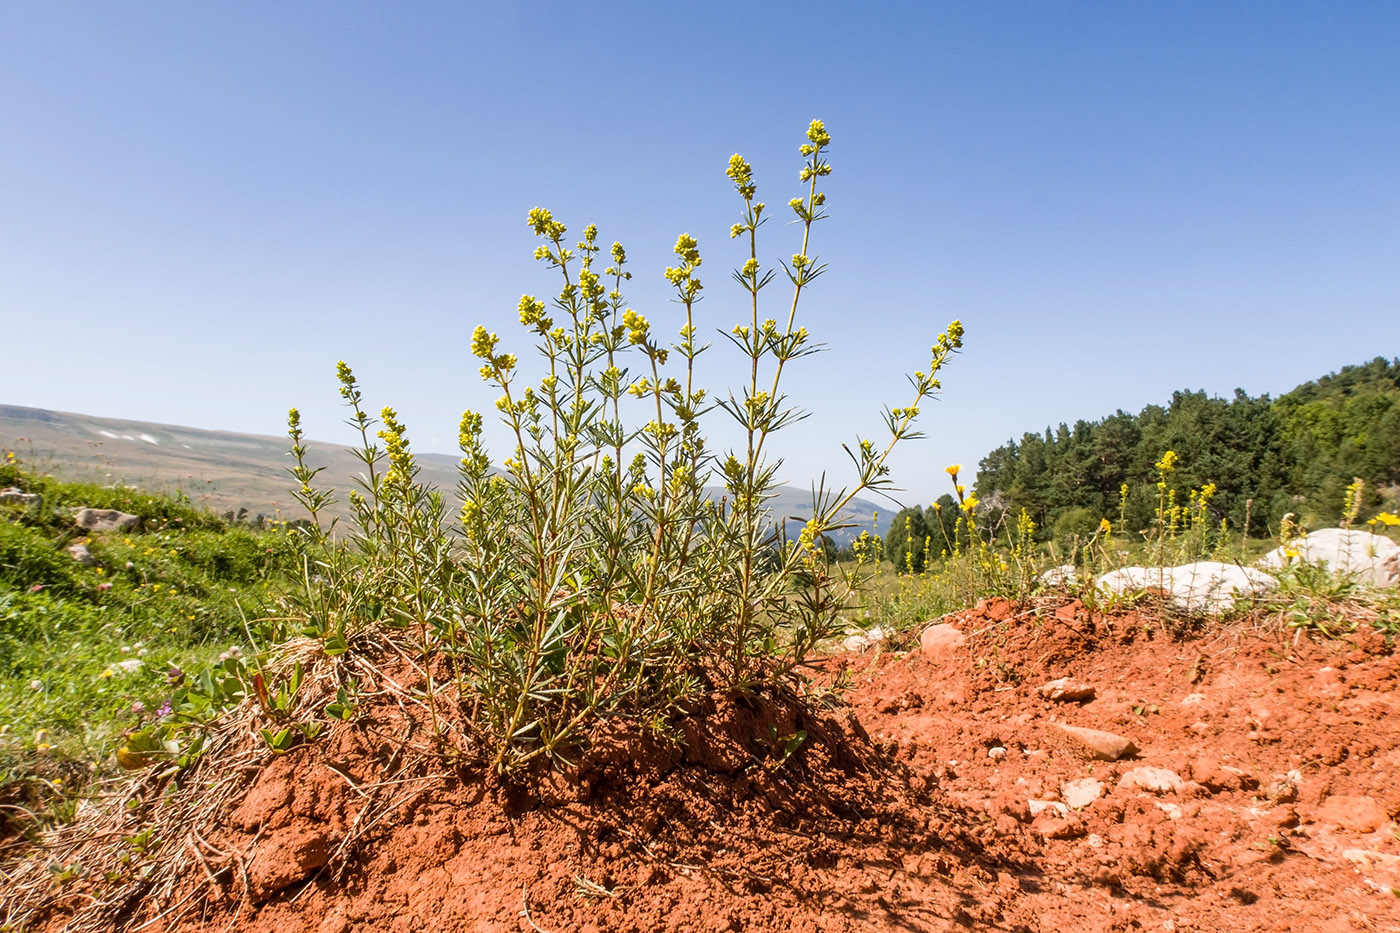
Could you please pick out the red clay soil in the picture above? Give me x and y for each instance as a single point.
(906, 807)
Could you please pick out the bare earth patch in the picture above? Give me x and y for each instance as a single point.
(935, 795)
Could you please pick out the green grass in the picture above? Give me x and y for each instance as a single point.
(89, 652)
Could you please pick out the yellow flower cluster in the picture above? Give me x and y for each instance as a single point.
(544, 224)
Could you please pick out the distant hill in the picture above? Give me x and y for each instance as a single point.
(227, 471)
(222, 470)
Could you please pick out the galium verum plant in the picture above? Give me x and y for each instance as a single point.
(596, 574)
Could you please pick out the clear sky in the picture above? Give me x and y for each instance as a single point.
(204, 206)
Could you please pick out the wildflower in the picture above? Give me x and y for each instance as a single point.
(483, 343)
(969, 504)
(174, 676)
(1168, 462)
(105, 675)
(164, 709)
(138, 707)
(36, 685)
(688, 249)
(953, 470)
(130, 565)
(1105, 526)
(37, 588)
(103, 587)
(130, 666)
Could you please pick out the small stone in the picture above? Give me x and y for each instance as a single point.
(1352, 814)
(940, 641)
(16, 496)
(1282, 789)
(81, 554)
(1172, 811)
(1151, 780)
(1105, 746)
(1079, 794)
(1193, 699)
(1038, 807)
(997, 753)
(860, 641)
(1067, 690)
(106, 520)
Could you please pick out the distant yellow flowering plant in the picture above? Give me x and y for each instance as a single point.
(599, 572)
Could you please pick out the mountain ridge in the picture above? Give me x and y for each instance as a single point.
(231, 470)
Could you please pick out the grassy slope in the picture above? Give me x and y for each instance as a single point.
(173, 595)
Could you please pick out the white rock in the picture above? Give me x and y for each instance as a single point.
(1079, 794)
(106, 520)
(1373, 559)
(1204, 586)
(1172, 811)
(1038, 807)
(1061, 576)
(17, 496)
(81, 554)
(1151, 780)
(860, 641)
(996, 753)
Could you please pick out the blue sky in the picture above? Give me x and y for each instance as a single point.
(203, 207)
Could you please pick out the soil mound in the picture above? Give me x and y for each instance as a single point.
(1254, 791)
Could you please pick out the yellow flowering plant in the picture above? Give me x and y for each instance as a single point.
(596, 573)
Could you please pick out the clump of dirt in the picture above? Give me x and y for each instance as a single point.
(944, 790)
